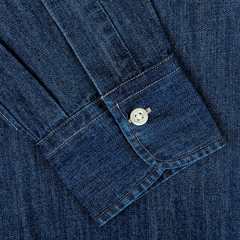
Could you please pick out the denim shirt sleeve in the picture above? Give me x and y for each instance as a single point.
(72, 73)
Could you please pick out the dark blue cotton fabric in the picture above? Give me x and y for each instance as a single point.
(72, 166)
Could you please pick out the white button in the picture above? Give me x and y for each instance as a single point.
(139, 116)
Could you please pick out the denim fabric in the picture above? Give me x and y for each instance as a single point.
(71, 73)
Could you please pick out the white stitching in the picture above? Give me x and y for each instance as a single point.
(150, 153)
(109, 110)
(139, 75)
(70, 119)
(75, 134)
(150, 85)
(81, 111)
(10, 122)
(16, 127)
(78, 131)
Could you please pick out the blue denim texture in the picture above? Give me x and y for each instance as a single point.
(71, 164)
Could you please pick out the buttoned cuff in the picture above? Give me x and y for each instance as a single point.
(107, 160)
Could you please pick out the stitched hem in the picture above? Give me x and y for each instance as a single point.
(175, 171)
(128, 198)
(142, 187)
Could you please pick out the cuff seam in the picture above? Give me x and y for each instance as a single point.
(102, 97)
(116, 105)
